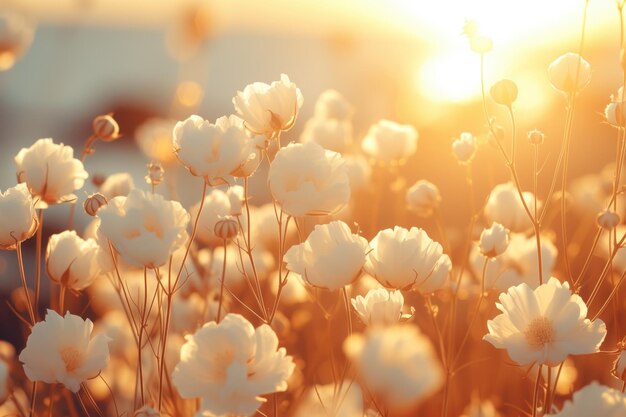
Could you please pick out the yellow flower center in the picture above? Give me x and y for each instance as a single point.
(72, 358)
(539, 332)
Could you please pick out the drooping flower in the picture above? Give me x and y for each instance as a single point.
(569, 73)
(72, 261)
(144, 228)
(331, 257)
(594, 400)
(230, 365)
(379, 307)
(397, 363)
(545, 325)
(494, 240)
(62, 350)
(505, 206)
(269, 109)
(50, 171)
(306, 179)
(423, 198)
(407, 259)
(19, 219)
(343, 399)
(389, 142)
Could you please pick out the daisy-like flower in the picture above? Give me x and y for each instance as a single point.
(144, 228)
(331, 257)
(594, 400)
(19, 219)
(407, 259)
(569, 73)
(305, 179)
(269, 109)
(398, 363)
(504, 206)
(61, 350)
(423, 198)
(389, 142)
(230, 365)
(545, 325)
(72, 261)
(379, 307)
(50, 171)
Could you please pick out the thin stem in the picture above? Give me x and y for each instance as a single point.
(222, 283)
(62, 299)
(38, 239)
(348, 311)
(536, 392)
(20, 262)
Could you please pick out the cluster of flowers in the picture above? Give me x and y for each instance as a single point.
(178, 290)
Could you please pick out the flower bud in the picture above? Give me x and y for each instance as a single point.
(615, 114)
(93, 203)
(536, 137)
(226, 228)
(464, 148)
(494, 241)
(504, 92)
(105, 128)
(608, 219)
(155, 173)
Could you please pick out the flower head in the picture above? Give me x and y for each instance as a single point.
(230, 365)
(569, 73)
(332, 105)
(217, 205)
(464, 148)
(505, 206)
(594, 400)
(494, 241)
(379, 307)
(117, 185)
(423, 198)
(61, 349)
(72, 261)
(389, 142)
(545, 325)
(19, 220)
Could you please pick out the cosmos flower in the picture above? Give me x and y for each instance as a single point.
(545, 325)
(144, 228)
(398, 363)
(269, 109)
(230, 365)
(594, 400)
(407, 259)
(331, 257)
(61, 350)
(379, 307)
(50, 171)
(423, 198)
(19, 219)
(306, 179)
(72, 261)
(389, 142)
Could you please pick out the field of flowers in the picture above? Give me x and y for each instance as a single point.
(349, 294)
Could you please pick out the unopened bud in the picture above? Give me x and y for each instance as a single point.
(226, 228)
(608, 219)
(494, 241)
(504, 92)
(155, 173)
(536, 137)
(93, 203)
(106, 128)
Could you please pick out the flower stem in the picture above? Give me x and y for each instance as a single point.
(222, 283)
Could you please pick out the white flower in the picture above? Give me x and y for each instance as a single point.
(615, 113)
(569, 73)
(72, 261)
(331, 257)
(594, 400)
(217, 205)
(144, 228)
(505, 206)
(379, 307)
(211, 151)
(332, 134)
(229, 365)
(306, 179)
(117, 185)
(359, 172)
(16, 35)
(464, 148)
(494, 241)
(19, 219)
(343, 399)
(332, 105)
(544, 325)
(50, 171)
(155, 139)
(236, 272)
(389, 142)
(406, 259)
(398, 363)
(423, 198)
(619, 366)
(61, 349)
(269, 109)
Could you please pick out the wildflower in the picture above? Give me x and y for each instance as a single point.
(407, 259)
(105, 128)
(50, 171)
(569, 73)
(269, 109)
(464, 148)
(379, 307)
(211, 151)
(504, 92)
(230, 365)
(72, 261)
(117, 185)
(217, 205)
(536, 137)
(19, 220)
(305, 179)
(544, 325)
(332, 105)
(423, 198)
(343, 399)
(505, 206)
(494, 241)
(389, 142)
(594, 400)
(226, 228)
(61, 350)
(608, 219)
(398, 363)
(331, 257)
(155, 174)
(615, 113)
(332, 134)
(144, 228)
